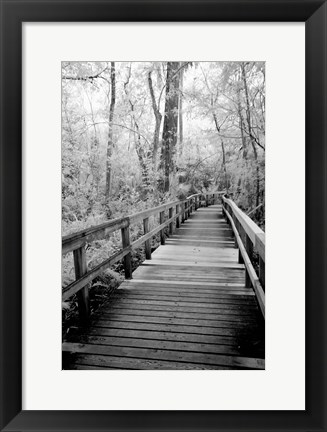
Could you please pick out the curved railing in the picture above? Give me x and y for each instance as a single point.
(171, 215)
(249, 238)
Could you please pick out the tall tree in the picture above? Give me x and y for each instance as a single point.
(158, 118)
(142, 152)
(218, 127)
(110, 134)
(250, 132)
(213, 103)
(180, 110)
(169, 133)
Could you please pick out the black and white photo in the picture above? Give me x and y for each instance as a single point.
(163, 215)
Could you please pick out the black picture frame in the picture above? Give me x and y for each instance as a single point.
(13, 14)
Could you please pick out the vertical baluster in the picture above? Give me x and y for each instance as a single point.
(171, 225)
(262, 272)
(183, 212)
(207, 200)
(189, 208)
(241, 233)
(83, 294)
(249, 249)
(240, 258)
(178, 217)
(147, 242)
(196, 203)
(162, 232)
(128, 258)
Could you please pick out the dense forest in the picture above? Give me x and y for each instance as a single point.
(137, 134)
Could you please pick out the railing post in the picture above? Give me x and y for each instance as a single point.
(147, 242)
(189, 208)
(240, 231)
(240, 258)
(82, 295)
(207, 200)
(127, 258)
(196, 203)
(171, 225)
(262, 272)
(185, 211)
(177, 217)
(213, 199)
(162, 232)
(249, 249)
(191, 205)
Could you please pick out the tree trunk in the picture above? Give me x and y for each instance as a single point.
(180, 111)
(169, 133)
(144, 159)
(222, 149)
(143, 155)
(241, 123)
(110, 134)
(158, 117)
(253, 143)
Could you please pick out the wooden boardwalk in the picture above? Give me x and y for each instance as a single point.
(187, 308)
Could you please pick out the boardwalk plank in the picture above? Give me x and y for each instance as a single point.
(173, 313)
(171, 336)
(224, 329)
(232, 320)
(112, 362)
(189, 283)
(251, 343)
(157, 354)
(166, 345)
(174, 297)
(159, 302)
(167, 290)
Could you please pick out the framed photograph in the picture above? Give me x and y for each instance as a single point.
(148, 149)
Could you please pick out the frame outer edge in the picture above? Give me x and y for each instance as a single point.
(10, 216)
(316, 216)
(10, 175)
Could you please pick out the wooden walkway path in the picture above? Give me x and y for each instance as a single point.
(186, 308)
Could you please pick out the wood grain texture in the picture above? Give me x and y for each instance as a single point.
(187, 308)
(147, 243)
(83, 295)
(251, 278)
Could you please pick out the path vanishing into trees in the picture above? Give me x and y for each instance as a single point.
(195, 303)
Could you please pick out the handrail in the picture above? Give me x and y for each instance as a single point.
(249, 237)
(256, 235)
(179, 211)
(99, 232)
(204, 194)
(252, 276)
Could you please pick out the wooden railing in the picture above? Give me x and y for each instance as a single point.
(249, 238)
(178, 212)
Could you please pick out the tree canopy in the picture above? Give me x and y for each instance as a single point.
(135, 134)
